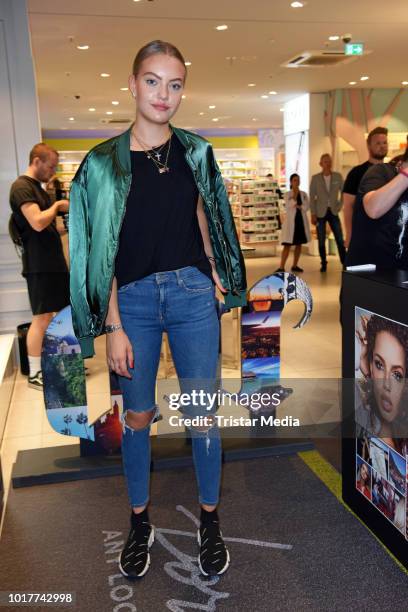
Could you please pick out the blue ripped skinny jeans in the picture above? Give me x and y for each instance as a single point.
(182, 303)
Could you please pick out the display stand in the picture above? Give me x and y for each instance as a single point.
(67, 409)
(374, 446)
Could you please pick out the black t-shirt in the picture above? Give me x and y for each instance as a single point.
(160, 228)
(354, 177)
(383, 241)
(42, 250)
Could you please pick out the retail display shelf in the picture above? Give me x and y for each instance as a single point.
(255, 204)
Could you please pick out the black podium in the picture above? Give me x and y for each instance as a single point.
(375, 403)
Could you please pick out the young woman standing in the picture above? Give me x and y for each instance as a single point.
(151, 235)
(295, 228)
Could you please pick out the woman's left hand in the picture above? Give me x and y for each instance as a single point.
(217, 280)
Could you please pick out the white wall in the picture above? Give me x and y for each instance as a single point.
(319, 143)
(297, 158)
(19, 131)
(305, 139)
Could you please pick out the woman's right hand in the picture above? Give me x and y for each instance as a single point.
(119, 353)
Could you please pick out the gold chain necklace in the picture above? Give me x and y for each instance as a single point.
(161, 167)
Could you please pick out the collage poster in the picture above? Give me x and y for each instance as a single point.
(381, 410)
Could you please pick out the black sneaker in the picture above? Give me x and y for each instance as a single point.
(323, 267)
(297, 269)
(135, 558)
(36, 381)
(213, 558)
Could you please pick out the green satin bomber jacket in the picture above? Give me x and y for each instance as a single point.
(97, 206)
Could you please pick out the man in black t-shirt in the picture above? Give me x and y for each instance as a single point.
(380, 218)
(377, 145)
(44, 265)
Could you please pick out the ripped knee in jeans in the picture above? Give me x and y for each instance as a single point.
(138, 421)
(205, 428)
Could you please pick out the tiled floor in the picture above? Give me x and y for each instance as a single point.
(310, 352)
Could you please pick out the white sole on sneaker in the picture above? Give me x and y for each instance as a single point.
(34, 386)
(146, 567)
(224, 569)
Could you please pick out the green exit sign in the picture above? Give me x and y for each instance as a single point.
(354, 48)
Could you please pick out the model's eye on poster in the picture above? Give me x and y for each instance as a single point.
(381, 410)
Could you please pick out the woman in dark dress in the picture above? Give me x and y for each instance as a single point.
(295, 228)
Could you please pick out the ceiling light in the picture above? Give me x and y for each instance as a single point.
(273, 93)
(334, 37)
(187, 63)
(364, 78)
(72, 119)
(404, 83)
(212, 106)
(109, 112)
(124, 89)
(353, 83)
(215, 119)
(265, 97)
(184, 96)
(282, 110)
(136, 0)
(296, 4)
(82, 47)
(115, 102)
(92, 109)
(105, 74)
(221, 27)
(254, 119)
(201, 114)
(251, 84)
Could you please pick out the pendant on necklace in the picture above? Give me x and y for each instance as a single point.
(158, 156)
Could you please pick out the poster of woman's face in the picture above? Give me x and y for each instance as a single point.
(381, 366)
(381, 412)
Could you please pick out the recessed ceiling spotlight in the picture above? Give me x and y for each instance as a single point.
(273, 93)
(353, 83)
(215, 119)
(265, 97)
(115, 102)
(221, 27)
(187, 63)
(82, 47)
(282, 110)
(297, 4)
(105, 75)
(72, 118)
(136, 0)
(364, 78)
(109, 112)
(201, 114)
(254, 119)
(92, 109)
(184, 96)
(212, 106)
(404, 82)
(124, 89)
(334, 37)
(251, 84)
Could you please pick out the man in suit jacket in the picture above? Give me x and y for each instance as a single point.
(325, 205)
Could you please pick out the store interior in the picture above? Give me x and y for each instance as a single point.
(270, 86)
